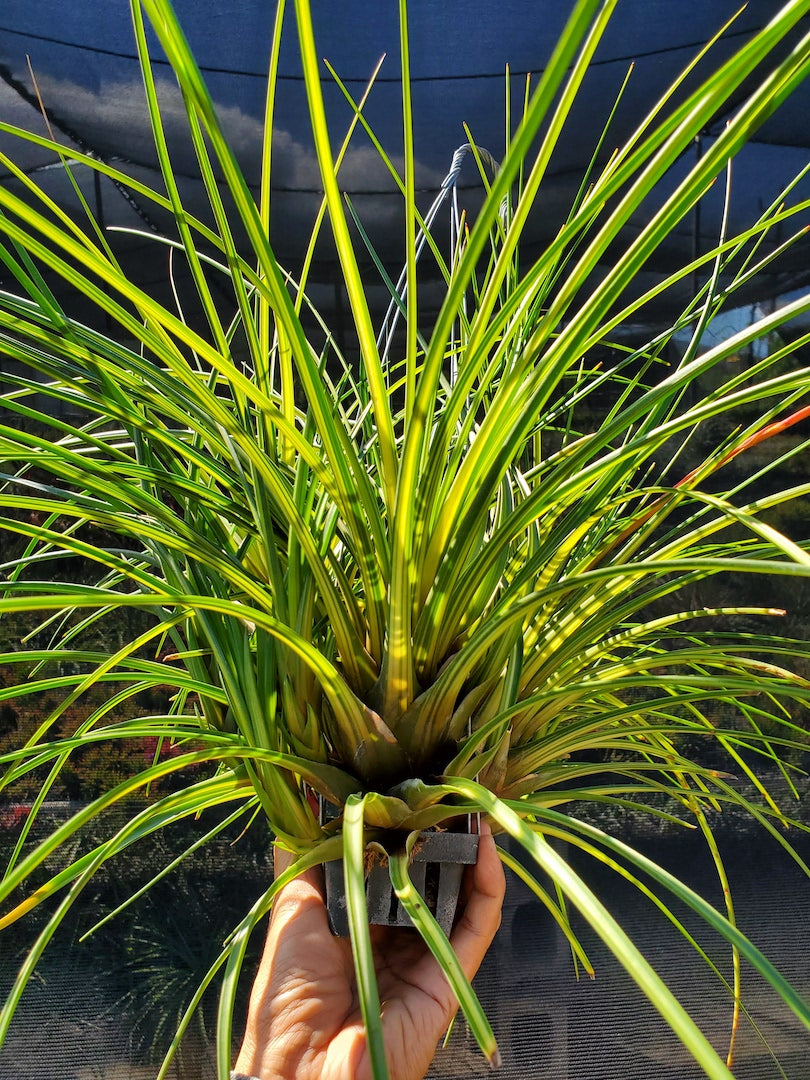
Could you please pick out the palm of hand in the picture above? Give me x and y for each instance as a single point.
(304, 1016)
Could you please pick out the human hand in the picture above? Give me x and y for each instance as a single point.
(304, 1016)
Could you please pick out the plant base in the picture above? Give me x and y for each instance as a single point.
(436, 870)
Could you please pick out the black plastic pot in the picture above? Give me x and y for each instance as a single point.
(436, 870)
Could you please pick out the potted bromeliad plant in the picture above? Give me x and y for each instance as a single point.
(444, 572)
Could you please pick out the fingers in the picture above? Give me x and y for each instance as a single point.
(282, 860)
(308, 884)
(482, 913)
(298, 930)
(302, 901)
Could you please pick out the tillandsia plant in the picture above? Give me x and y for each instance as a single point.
(441, 572)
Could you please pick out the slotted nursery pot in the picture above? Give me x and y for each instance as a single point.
(436, 870)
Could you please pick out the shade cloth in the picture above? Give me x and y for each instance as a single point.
(83, 58)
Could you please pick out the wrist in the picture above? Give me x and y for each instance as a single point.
(258, 1073)
(268, 1063)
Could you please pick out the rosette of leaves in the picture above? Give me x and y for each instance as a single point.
(444, 573)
